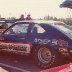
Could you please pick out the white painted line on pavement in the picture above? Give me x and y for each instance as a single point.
(15, 68)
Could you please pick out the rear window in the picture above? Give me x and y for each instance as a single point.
(63, 28)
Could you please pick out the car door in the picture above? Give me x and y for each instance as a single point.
(37, 32)
(15, 39)
(17, 33)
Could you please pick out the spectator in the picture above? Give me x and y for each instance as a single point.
(22, 17)
(28, 17)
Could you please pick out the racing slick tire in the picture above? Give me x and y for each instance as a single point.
(45, 57)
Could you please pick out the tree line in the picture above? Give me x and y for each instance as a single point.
(65, 20)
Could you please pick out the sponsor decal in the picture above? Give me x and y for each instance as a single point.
(64, 52)
(15, 46)
(54, 42)
(42, 41)
(58, 42)
(62, 42)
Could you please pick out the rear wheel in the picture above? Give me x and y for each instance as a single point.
(44, 56)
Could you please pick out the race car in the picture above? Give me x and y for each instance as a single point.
(46, 41)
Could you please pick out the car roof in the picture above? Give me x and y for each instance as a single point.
(41, 21)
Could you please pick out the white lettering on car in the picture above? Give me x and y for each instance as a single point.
(58, 42)
(42, 41)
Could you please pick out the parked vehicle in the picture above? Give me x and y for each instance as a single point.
(44, 40)
(3, 26)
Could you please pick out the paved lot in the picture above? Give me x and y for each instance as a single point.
(18, 63)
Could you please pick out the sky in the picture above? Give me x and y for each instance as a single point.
(37, 8)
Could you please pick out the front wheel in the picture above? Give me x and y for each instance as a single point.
(44, 56)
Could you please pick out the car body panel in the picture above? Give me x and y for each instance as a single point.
(51, 36)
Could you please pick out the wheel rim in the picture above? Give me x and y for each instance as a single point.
(44, 55)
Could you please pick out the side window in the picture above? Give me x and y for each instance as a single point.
(18, 29)
(38, 29)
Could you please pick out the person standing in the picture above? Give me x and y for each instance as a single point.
(21, 17)
(28, 17)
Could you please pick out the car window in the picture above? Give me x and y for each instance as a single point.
(63, 28)
(38, 28)
(18, 29)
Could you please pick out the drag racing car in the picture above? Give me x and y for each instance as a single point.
(46, 41)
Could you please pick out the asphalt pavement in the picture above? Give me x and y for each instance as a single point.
(19, 63)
